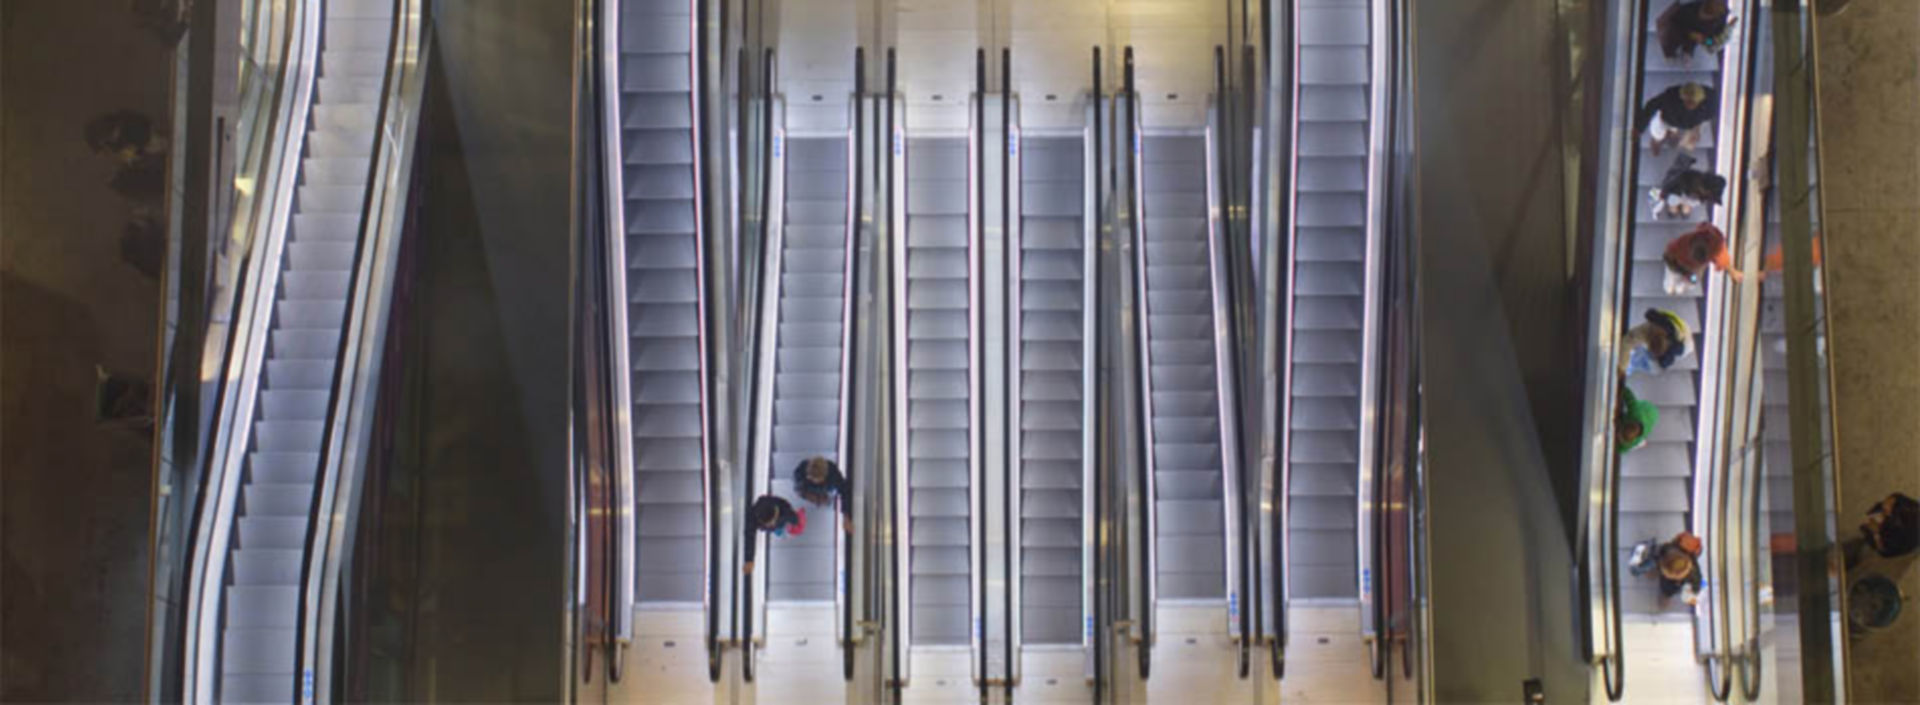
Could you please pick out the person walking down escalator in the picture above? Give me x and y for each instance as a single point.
(1684, 188)
(1687, 26)
(1633, 420)
(1676, 115)
(1657, 345)
(1678, 562)
(775, 516)
(819, 481)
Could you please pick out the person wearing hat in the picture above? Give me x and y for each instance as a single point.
(1678, 561)
(1676, 115)
(1690, 254)
(775, 516)
(1633, 420)
(1655, 346)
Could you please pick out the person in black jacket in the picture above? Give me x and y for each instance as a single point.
(772, 515)
(1676, 114)
(820, 482)
(1685, 188)
(1686, 26)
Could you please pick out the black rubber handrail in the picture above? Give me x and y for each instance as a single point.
(1099, 487)
(1613, 667)
(758, 306)
(1226, 149)
(1281, 318)
(1008, 432)
(1135, 237)
(976, 268)
(898, 681)
(849, 437)
(712, 446)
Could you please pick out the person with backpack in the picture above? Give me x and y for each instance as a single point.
(1678, 562)
(1657, 345)
(1684, 188)
(775, 516)
(1676, 116)
(819, 481)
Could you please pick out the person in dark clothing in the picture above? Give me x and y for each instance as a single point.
(1676, 115)
(1892, 526)
(125, 135)
(1685, 188)
(1686, 26)
(1678, 561)
(775, 516)
(819, 481)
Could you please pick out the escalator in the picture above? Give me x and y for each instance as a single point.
(660, 181)
(1657, 479)
(1183, 401)
(807, 381)
(940, 462)
(1329, 335)
(1054, 358)
(273, 529)
(258, 644)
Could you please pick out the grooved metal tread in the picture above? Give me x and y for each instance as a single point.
(663, 298)
(939, 390)
(261, 589)
(1183, 387)
(807, 379)
(1052, 372)
(1329, 300)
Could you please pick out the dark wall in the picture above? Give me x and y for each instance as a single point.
(74, 491)
(1501, 386)
(489, 357)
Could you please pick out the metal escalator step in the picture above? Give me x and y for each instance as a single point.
(1333, 65)
(1325, 414)
(262, 606)
(1324, 513)
(266, 566)
(259, 650)
(309, 313)
(1318, 446)
(1331, 244)
(334, 171)
(1328, 313)
(1325, 379)
(1328, 347)
(317, 255)
(292, 405)
(671, 520)
(258, 688)
(283, 467)
(278, 499)
(287, 436)
(273, 532)
(1310, 581)
(1177, 484)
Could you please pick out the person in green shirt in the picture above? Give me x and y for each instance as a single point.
(1633, 420)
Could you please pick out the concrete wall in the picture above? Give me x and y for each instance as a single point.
(1869, 116)
(74, 494)
(488, 408)
(1502, 399)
